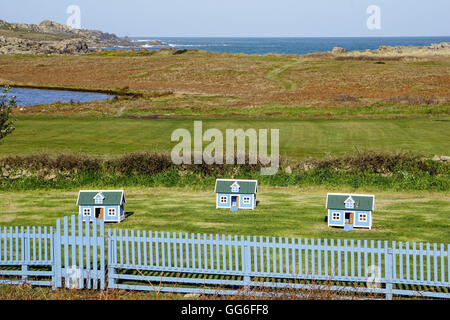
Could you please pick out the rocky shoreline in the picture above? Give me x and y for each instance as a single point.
(442, 48)
(50, 37)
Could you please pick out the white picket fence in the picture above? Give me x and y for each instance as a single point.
(249, 259)
(75, 251)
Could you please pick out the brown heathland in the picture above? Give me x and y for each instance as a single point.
(198, 79)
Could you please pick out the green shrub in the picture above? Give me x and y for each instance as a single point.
(399, 171)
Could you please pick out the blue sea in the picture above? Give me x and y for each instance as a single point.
(285, 45)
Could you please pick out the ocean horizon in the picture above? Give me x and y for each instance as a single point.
(282, 45)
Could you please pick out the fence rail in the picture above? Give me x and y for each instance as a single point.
(75, 250)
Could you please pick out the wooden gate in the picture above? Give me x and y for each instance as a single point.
(80, 253)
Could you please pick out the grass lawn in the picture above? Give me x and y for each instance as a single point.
(286, 212)
(298, 139)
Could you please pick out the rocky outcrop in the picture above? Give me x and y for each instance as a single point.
(92, 37)
(48, 27)
(434, 49)
(339, 50)
(22, 46)
(152, 43)
(50, 37)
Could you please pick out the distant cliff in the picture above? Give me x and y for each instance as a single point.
(51, 37)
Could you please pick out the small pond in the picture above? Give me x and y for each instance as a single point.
(31, 97)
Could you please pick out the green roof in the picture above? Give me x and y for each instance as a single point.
(363, 202)
(112, 197)
(245, 186)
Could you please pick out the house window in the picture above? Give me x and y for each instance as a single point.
(111, 212)
(336, 216)
(235, 187)
(349, 205)
(99, 198)
(86, 212)
(246, 200)
(362, 217)
(223, 199)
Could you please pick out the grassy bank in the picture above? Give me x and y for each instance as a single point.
(118, 92)
(401, 181)
(165, 105)
(383, 171)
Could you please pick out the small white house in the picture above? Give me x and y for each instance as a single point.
(236, 194)
(350, 210)
(107, 205)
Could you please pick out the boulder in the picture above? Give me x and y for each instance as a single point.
(71, 46)
(441, 158)
(339, 50)
(24, 46)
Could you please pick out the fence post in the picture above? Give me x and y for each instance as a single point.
(247, 261)
(56, 257)
(25, 257)
(389, 272)
(24, 273)
(111, 261)
(102, 255)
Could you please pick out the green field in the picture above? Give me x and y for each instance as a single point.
(298, 139)
(284, 212)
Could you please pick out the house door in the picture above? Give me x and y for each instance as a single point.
(349, 217)
(100, 213)
(234, 200)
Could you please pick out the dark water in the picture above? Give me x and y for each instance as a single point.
(286, 45)
(30, 97)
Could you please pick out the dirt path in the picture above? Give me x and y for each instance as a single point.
(276, 75)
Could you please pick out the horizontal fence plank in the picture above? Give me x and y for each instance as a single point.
(30, 282)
